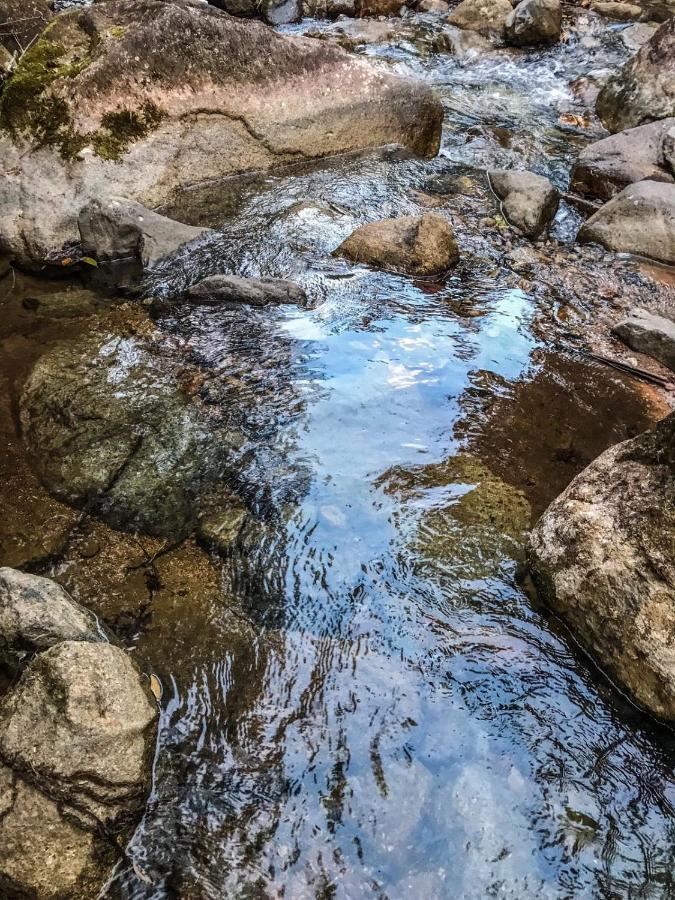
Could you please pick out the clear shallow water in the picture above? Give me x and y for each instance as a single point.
(363, 702)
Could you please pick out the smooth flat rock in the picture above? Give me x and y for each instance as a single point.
(605, 168)
(530, 201)
(409, 245)
(650, 334)
(641, 220)
(644, 89)
(603, 557)
(223, 290)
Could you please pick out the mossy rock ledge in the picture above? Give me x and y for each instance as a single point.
(603, 556)
(139, 97)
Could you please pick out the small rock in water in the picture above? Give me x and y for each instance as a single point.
(224, 290)
(636, 35)
(409, 245)
(649, 334)
(534, 22)
(117, 228)
(433, 6)
(460, 42)
(487, 17)
(530, 201)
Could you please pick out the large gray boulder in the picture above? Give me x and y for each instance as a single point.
(644, 89)
(82, 118)
(650, 334)
(487, 17)
(36, 613)
(409, 245)
(530, 201)
(118, 229)
(603, 556)
(608, 166)
(77, 737)
(534, 22)
(109, 427)
(641, 220)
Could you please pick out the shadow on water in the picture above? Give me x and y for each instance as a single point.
(360, 700)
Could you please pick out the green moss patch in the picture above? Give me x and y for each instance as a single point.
(29, 109)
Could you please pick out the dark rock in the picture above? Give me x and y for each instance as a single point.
(644, 89)
(530, 201)
(414, 246)
(21, 22)
(229, 289)
(111, 428)
(534, 22)
(119, 229)
(641, 219)
(603, 557)
(608, 166)
(650, 334)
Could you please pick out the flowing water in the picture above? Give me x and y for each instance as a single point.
(363, 701)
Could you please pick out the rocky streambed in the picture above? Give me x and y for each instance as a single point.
(283, 453)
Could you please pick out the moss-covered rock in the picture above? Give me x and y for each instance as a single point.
(139, 98)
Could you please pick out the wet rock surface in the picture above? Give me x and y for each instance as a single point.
(423, 246)
(602, 555)
(229, 289)
(608, 166)
(111, 430)
(644, 89)
(530, 201)
(640, 219)
(213, 108)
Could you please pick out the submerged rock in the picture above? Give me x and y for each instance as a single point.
(77, 737)
(650, 334)
(641, 219)
(119, 229)
(111, 428)
(534, 22)
(36, 613)
(608, 166)
(644, 89)
(224, 290)
(603, 556)
(409, 245)
(487, 17)
(530, 201)
(83, 119)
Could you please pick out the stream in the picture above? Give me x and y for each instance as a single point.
(365, 699)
